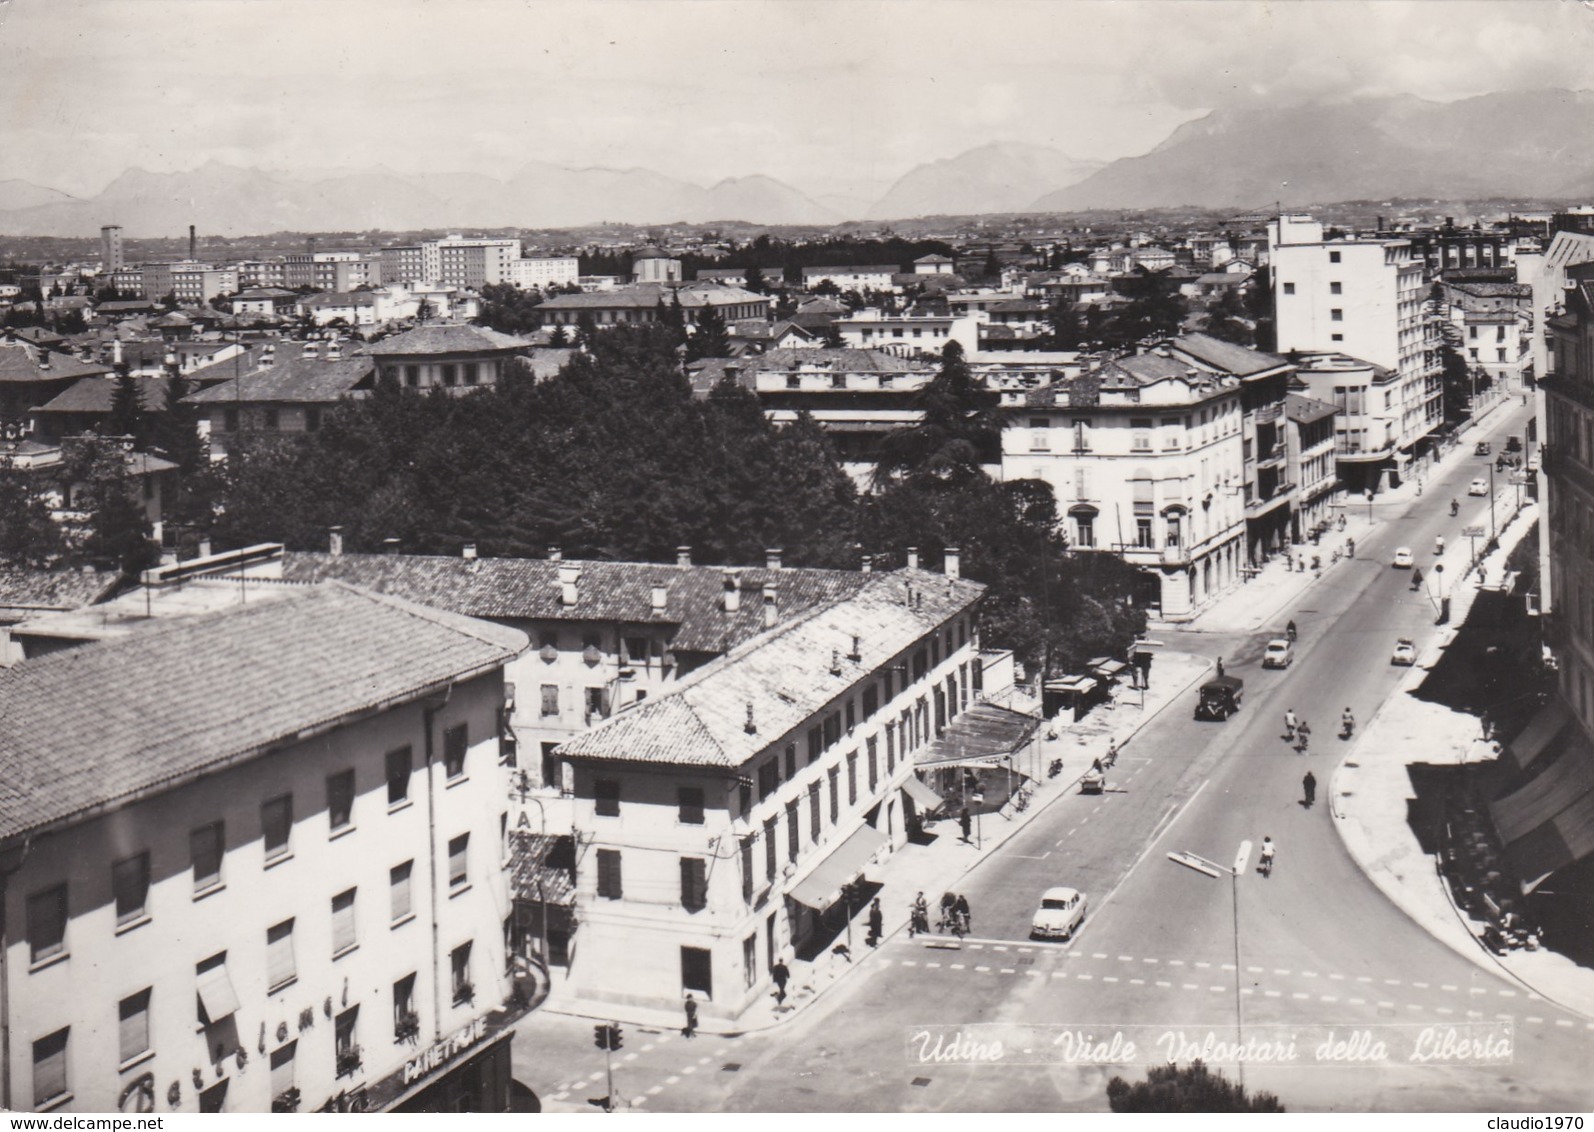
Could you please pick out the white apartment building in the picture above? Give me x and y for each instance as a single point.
(543, 272)
(278, 888)
(908, 335)
(1365, 299)
(1146, 457)
(452, 261)
(860, 279)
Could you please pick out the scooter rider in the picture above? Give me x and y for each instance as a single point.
(1455, 508)
(1289, 631)
(1268, 849)
(1439, 545)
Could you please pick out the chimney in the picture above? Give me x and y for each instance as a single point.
(951, 565)
(44, 359)
(390, 546)
(555, 554)
(312, 350)
(913, 558)
(857, 648)
(771, 606)
(335, 541)
(469, 552)
(868, 564)
(683, 556)
(835, 662)
(661, 595)
(333, 352)
(732, 599)
(193, 245)
(568, 576)
(116, 351)
(772, 558)
(750, 727)
(204, 548)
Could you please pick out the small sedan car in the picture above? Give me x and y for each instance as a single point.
(1279, 653)
(1403, 559)
(1405, 653)
(1478, 487)
(1059, 915)
(1481, 448)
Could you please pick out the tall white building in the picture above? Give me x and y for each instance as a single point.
(1365, 299)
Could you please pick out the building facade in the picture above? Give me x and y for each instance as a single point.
(112, 256)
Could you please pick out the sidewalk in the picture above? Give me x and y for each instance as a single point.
(935, 867)
(1371, 790)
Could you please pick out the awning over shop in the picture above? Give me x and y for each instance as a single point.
(1548, 823)
(1564, 840)
(1567, 778)
(921, 795)
(822, 887)
(986, 733)
(1545, 726)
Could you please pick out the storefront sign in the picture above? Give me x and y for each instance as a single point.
(444, 1051)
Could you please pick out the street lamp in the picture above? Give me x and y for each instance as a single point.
(1491, 500)
(1210, 868)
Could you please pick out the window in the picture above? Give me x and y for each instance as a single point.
(1336, 289)
(1336, 315)
(609, 874)
(472, 373)
(597, 703)
(768, 778)
(1289, 288)
(276, 822)
(204, 849)
(47, 924)
(1085, 528)
(455, 740)
(816, 744)
(835, 795)
(697, 970)
(215, 998)
(813, 810)
(832, 728)
(852, 717)
(891, 747)
(694, 884)
(133, 1026)
(1143, 536)
(345, 1049)
(49, 1068)
(458, 857)
(398, 776)
(282, 1068)
(793, 833)
(343, 933)
(130, 882)
(450, 374)
(398, 887)
(770, 864)
(312, 419)
(272, 419)
(340, 800)
(747, 868)
(550, 764)
(550, 700)
(874, 763)
(1472, 333)
(1333, 257)
(606, 797)
(871, 701)
(280, 967)
(459, 973)
(690, 801)
(229, 419)
(1336, 337)
(406, 1021)
(1172, 520)
(852, 778)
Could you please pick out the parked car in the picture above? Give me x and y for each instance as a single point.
(1513, 444)
(1403, 559)
(1220, 698)
(1093, 782)
(1478, 487)
(1279, 654)
(1059, 915)
(1482, 448)
(1405, 653)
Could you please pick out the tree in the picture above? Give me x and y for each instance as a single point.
(586, 330)
(833, 337)
(559, 337)
(957, 432)
(116, 531)
(1066, 332)
(711, 339)
(754, 281)
(1195, 1088)
(127, 409)
(29, 538)
(168, 301)
(993, 265)
(509, 310)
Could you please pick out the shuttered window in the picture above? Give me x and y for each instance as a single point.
(276, 822)
(47, 923)
(130, 881)
(340, 800)
(694, 883)
(280, 969)
(609, 874)
(133, 1026)
(458, 861)
(204, 848)
(455, 741)
(399, 889)
(399, 762)
(343, 933)
(49, 1067)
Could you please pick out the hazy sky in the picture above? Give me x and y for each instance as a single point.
(821, 93)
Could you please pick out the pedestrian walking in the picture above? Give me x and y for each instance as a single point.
(1303, 735)
(1220, 668)
(1290, 724)
(877, 922)
(690, 1029)
(782, 975)
(1309, 787)
(965, 823)
(1416, 578)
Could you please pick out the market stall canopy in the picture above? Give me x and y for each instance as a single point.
(986, 733)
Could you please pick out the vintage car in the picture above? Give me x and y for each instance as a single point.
(1220, 698)
(1059, 915)
(1093, 782)
(1405, 652)
(1482, 448)
(1279, 654)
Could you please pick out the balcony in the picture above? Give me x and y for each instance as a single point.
(1175, 556)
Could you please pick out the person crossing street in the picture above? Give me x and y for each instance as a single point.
(1309, 788)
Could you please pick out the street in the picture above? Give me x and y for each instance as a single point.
(1315, 945)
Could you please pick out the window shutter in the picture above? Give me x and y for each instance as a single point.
(343, 935)
(279, 954)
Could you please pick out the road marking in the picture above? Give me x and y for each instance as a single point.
(655, 1090)
(982, 968)
(1228, 967)
(1098, 955)
(672, 1080)
(1280, 971)
(648, 1048)
(1085, 977)
(1478, 990)
(1300, 995)
(1271, 993)
(1059, 974)
(1006, 971)
(1508, 1018)
(1363, 979)
(560, 1096)
(1533, 1018)
(631, 1056)
(1415, 1006)
(1217, 990)
(1382, 1005)
(1439, 1010)
(705, 1059)
(1442, 986)
(932, 964)
(1148, 960)
(1327, 998)
(1142, 982)
(1025, 950)
(1357, 1001)
(1256, 970)
(957, 967)
(1126, 959)
(1109, 978)
(1032, 857)
(1203, 964)
(1339, 978)
(1157, 834)
(1033, 974)
(998, 947)
(688, 1069)
(1189, 986)
(910, 962)
(1163, 985)
(1563, 1021)
(1176, 962)
(976, 947)
(1396, 983)
(1308, 974)
(1420, 986)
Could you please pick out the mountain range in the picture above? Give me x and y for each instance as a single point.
(1245, 156)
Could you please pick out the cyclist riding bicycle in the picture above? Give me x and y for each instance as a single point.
(1268, 849)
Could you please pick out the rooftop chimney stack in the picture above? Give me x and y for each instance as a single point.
(835, 662)
(335, 541)
(469, 552)
(868, 564)
(750, 727)
(661, 596)
(568, 577)
(390, 545)
(555, 554)
(204, 548)
(683, 556)
(952, 566)
(771, 605)
(732, 600)
(913, 558)
(193, 245)
(772, 558)
(857, 648)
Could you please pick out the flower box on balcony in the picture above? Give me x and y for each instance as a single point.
(286, 1101)
(349, 1061)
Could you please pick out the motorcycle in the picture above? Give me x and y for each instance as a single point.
(1350, 548)
(1055, 769)
(1347, 728)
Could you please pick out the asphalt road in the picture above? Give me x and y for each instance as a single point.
(1318, 944)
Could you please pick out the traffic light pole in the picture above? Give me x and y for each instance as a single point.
(608, 1066)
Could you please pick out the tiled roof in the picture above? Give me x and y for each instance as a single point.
(96, 725)
(230, 368)
(615, 592)
(1306, 409)
(876, 269)
(646, 296)
(94, 395)
(1226, 356)
(53, 589)
(784, 676)
(312, 380)
(19, 362)
(450, 338)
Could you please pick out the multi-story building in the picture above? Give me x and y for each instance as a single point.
(720, 821)
(542, 272)
(196, 285)
(360, 308)
(454, 260)
(280, 395)
(1146, 456)
(277, 888)
(262, 273)
(451, 356)
(1365, 299)
(330, 271)
(654, 265)
(1310, 436)
(860, 279)
(111, 254)
(908, 335)
(1367, 422)
(641, 303)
